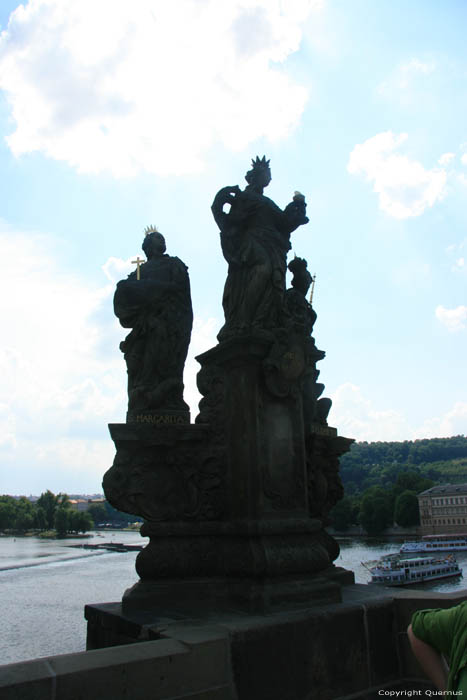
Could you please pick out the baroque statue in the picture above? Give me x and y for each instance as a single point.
(303, 317)
(255, 240)
(235, 504)
(155, 302)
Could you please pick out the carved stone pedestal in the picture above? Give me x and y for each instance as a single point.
(235, 505)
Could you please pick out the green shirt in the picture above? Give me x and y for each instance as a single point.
(446, 631)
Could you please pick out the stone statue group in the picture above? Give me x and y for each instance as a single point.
(241, 497)
(155, 301)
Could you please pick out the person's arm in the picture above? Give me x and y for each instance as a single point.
(431, 661)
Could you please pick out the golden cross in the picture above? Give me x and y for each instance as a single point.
(313, 279)
(138, 262)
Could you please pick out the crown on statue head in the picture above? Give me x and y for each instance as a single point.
(260, 163)
(150, 229)
(297, 265)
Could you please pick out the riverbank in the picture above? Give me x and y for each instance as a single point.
(392, 533)
(53, 534)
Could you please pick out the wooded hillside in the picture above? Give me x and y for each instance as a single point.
(443, 460)
(381, 480)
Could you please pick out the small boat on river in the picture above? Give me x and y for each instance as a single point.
(395, 570)
(436, 543)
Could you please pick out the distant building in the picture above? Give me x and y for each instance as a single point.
(443, 509)
(81, 504)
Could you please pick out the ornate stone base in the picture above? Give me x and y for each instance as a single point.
(203, 595)
(160, 472)
(240, 550)
(235, 505)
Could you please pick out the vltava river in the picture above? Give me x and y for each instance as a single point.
(45, 584)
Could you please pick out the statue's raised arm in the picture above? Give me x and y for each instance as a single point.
(255, 240)
(295, 212)
(225, 196)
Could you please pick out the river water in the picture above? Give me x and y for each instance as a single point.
(45, 584)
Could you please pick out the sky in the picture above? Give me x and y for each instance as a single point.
(117, 115)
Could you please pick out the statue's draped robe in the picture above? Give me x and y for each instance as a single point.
(255, 240)
(158, 309)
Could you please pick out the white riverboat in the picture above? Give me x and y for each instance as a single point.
(436, 543)
(395, 570)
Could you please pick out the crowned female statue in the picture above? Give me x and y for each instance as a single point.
(255, 239)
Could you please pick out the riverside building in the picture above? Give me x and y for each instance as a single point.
(443, 509)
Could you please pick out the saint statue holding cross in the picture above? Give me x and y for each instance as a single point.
(155, 302)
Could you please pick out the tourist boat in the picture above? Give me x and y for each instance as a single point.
(395, 570)
(436, 543)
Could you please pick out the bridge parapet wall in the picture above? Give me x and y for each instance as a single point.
(347, 651)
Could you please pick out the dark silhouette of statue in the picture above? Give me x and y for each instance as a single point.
(302, 313)
(255, 239)
(155, 302)
(235, 504)
(303, 317)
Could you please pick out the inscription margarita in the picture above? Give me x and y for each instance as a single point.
(160, 419)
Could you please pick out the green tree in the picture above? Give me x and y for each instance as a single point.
(7, 513)
(48, 501)
(406, 511)
(379, 463)
(40, 519)
(98, 513)
(80, 521)
(343, 514)
(117, 517)
(62, 520)
(24, 515)
(375, 510)
(86, 522)
(62, 499)
(411, 480)
(24, 520)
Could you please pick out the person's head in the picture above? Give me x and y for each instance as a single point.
(301, 277)
(153, 244)
(260, 174)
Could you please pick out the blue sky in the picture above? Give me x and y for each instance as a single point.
(116, 115)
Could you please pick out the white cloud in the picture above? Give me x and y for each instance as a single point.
(355, 416)
(406, 80)
(456, 251)
(203, 338)
(405, 189)
(63, 376)
(453, 319)
(7, 427)
(122, 87)
(453, 422)
(116, 269)
(446, 158)
(58, 384)
(461, 176)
